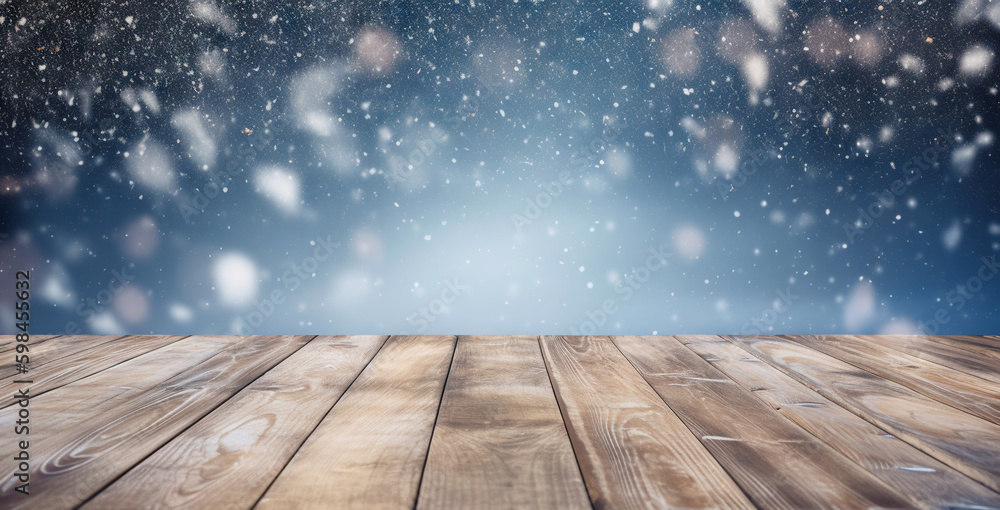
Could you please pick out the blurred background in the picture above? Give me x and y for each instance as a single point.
(628, 167)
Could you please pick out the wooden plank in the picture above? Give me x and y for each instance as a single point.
(8, 342)
(978, 345)
(927, 482)
(957, 389)
(76, 366)
(80, 400)
(777, 464)
(369, 451)
(634, 452)
(962, 347)
(952, 357)
(956, 438)
(54, 349)
(73, 405)
(499, 441)
(228, 458)
(73, 463)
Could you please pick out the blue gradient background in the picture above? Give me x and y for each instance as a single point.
(497, 100)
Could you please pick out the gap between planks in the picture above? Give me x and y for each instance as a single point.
(82, 363)
(429, 489)
(120, 436)
(928, 482)
(289, 401)
(775, 462)
(959, 439)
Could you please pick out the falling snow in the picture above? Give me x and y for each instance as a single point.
(323, 167)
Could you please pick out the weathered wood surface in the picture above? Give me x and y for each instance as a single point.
(9, 342)
(500, 441)
(505, 422)
(77, 462)
(985, 346)
(75, 366)
(957, 389)
(72, 406)
(42, 350)
(944, 354)
(369, 451)
(261, 426)
(633, 450)
(927, 482)
(77, 401)
(963, 441)
(777, 464)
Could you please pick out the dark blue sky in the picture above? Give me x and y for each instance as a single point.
(531, 167)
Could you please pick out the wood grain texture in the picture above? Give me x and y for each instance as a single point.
(634, 452)
(957, 389)
(229, 457)
(370, 450)
(73, 405)
(499, 441)
(983, 346)
(956, 438)
(227, 422)
(927, 482)
(776, 463)
(75, 463)
(77, 402)
(8, 342)
(57, 348)
(64, 370)
(950, 356)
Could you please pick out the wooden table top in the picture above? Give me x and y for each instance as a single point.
(503, 422)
